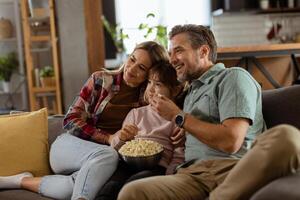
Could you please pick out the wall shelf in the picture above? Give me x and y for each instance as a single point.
(40, 50)
(43, 89)
(40, 38)
(34, 39)
(279, 10)
(13, 39)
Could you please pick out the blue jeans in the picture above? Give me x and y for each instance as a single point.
(83, 168)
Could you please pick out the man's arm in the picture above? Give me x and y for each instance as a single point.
(227, 136)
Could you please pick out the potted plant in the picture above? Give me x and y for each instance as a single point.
(8, 65)
(117, 36)
(47, 76)
(159, 30)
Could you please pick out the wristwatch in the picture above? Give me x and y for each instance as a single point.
(179, 119)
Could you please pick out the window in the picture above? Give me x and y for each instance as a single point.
(130, 13)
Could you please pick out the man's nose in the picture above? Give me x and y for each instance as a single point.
(173, 59)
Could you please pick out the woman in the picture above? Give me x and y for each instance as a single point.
(82, 157)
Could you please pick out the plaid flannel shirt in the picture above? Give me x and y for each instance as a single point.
(83, 114)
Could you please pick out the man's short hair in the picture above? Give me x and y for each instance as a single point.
(198, 35)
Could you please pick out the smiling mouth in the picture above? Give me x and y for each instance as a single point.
(130, 75)
(178, 67)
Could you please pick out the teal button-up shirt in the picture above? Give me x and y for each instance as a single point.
(219, 94)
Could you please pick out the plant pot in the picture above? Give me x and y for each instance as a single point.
(6, 28)
(47, 81)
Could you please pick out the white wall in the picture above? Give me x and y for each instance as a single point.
(233, 29)
(73, 51)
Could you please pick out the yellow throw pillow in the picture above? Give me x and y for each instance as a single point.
(24, 143)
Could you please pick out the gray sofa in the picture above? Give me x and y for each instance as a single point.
(279, 106)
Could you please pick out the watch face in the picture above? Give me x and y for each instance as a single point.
(179, 120)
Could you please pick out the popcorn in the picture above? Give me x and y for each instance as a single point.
(140, 147)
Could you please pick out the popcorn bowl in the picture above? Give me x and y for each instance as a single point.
(142, 162)
(141, 154)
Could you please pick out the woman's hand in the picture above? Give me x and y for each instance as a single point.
(178, 137)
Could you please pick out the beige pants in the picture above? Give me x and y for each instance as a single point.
(275, 153)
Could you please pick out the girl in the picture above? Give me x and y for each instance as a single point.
(148, 124)
(162, 81)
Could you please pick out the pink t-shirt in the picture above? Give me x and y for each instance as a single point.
(153, 127)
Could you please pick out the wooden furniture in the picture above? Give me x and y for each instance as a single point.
(95, 34)
(248, 54)
(39, 29)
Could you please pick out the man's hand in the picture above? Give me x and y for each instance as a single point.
(164, 107)
(178, 137)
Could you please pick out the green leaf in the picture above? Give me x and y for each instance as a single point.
(150, 15)
(8, 64)
(47, 71)
(160, 30)
(143, 26)
(116, 34)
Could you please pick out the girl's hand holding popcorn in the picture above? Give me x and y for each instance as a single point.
(128, 132)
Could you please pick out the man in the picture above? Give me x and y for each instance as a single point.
(221, 117)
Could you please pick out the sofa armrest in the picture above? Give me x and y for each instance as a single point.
(55, 127)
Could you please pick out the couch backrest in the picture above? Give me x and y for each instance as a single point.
(55, 127)
(282, 106)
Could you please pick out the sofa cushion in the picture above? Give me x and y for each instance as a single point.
(24, 143)
(282, 106)
(20, 195)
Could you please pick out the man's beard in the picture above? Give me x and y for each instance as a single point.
(186, 77)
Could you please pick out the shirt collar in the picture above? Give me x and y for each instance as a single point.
(211, 73)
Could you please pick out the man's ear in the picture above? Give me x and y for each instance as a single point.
(204, 51)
